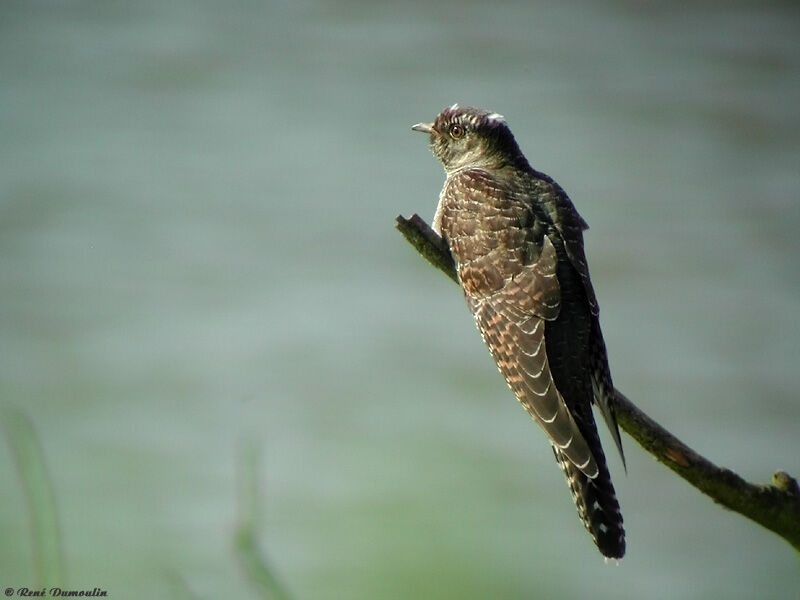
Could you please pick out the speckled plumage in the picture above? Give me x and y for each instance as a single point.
(518, 245)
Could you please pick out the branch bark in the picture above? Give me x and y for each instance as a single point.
(775, 506)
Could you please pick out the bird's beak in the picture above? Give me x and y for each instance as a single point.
(423, 127)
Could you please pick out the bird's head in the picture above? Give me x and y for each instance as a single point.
(465, 137)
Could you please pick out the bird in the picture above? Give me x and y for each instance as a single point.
(517, 242)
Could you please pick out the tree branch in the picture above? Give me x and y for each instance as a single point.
(775, 506)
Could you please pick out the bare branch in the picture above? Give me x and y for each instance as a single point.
(775, 506)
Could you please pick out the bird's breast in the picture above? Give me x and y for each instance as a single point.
(490, 231)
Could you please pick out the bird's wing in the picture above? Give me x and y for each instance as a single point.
(570, 224)
(603, 388)
(512, 323)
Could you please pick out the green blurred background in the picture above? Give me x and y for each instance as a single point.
(197, 251)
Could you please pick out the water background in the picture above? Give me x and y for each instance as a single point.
(197, 250)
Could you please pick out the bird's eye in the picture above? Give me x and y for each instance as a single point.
(456, 131)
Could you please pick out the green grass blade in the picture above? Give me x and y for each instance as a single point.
(246, 536)
(37, 487)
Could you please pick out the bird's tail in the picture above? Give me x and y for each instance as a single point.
(597, 505)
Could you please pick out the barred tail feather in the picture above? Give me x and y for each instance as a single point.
(597, 506)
